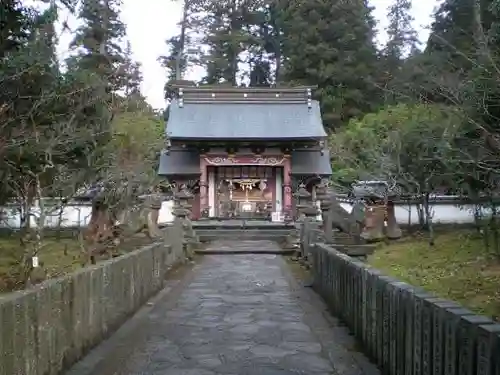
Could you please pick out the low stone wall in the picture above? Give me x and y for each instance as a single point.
(46, 329)
(402, 328)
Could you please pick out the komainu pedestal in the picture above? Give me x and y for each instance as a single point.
(380, 220)
(373, 229)
(392, 229)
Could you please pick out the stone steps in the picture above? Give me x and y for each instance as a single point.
(207, 235)
(242, 246)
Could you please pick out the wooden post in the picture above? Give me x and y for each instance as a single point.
(203, 187)
(287, 186)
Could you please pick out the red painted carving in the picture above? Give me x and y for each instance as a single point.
(245, 160)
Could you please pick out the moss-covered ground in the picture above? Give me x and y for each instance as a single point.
(458, 267)
(58, 256)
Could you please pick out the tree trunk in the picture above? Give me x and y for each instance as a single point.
(428, 218)
(493, 229)
(409, 215)
(420, 213)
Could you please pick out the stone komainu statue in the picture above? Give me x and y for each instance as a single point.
(372, 217)
(111, 221)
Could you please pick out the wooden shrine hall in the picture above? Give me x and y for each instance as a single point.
(243, 151)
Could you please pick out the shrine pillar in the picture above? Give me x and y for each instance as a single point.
(203, 186)
(287, 185)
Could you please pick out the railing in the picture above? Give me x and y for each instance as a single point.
(404, 329)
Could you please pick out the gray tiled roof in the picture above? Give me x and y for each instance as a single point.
(179, 162)
(309, 163)
(245, 121)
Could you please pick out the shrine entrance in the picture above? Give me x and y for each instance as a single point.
(245, 191)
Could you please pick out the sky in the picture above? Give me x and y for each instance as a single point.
(151, 22)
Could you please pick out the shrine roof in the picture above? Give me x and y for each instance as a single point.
(179, 162)
(248, 120)
(308, 162)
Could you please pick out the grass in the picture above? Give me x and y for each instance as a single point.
(57, 257)
(458, 267)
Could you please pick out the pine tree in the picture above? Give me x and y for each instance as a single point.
(331, 45)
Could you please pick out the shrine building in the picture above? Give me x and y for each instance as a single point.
(243, 151)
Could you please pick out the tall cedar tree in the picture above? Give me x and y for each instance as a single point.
(331, 45)
(131, 72)
(14, 20)
(402, 37)
(399, 52)
(228, 26)
(99, 40)
(97, 67)
(266, 44)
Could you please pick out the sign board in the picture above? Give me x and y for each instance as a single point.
(277, 217)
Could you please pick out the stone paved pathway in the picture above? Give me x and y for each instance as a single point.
(237, 315)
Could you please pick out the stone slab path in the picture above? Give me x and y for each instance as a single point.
(234, 314)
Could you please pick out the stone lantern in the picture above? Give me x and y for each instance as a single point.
(182, 211)
(306, 208)
(182, 208)
(304, 203)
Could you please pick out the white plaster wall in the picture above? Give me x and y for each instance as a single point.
(79, 215)
(72, 216)
(442, 213)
